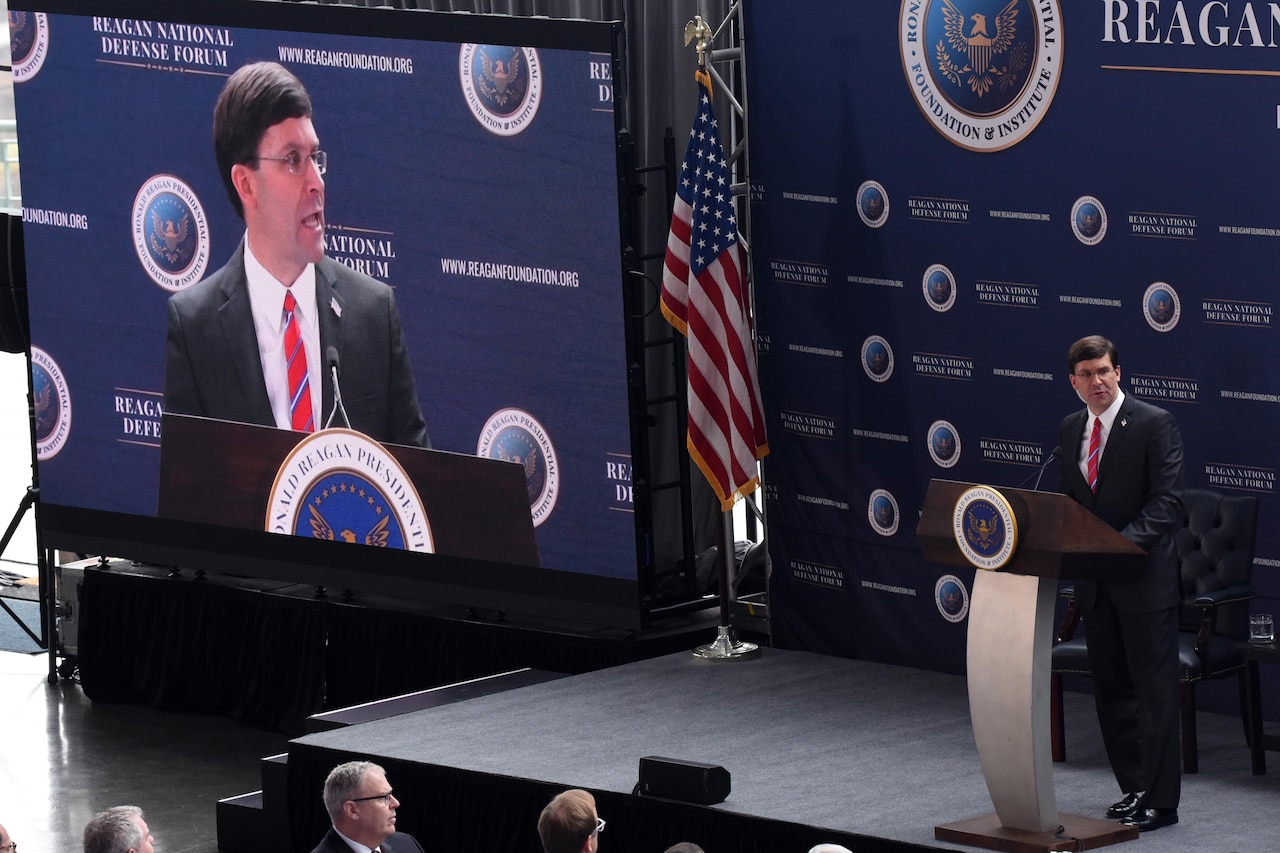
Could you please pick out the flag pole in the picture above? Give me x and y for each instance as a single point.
(726, 645)
(708, 294)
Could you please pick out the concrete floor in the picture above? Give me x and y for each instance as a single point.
(64, 758)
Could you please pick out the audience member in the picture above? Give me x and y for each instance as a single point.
(7, 844)
(829, 848)
(569, 823)
(685, 847)
(118, 830)
(362, 808)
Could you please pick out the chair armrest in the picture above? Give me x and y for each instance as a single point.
(1224, 596)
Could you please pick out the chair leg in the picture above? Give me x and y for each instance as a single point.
(1057, 734)
(1243, 682)
(1190, 759)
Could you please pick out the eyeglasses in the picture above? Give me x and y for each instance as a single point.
(1101, 373)
(296, 161)
(12, 847)
(386, 798)
(599, 825)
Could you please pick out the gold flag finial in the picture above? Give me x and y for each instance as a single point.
(698, 29)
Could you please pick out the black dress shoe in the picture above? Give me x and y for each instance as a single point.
(1148, 819)
(1126, 806)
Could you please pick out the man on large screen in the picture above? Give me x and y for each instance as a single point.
(255, 342)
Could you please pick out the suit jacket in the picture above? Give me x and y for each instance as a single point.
(397, 842)
(1139, 494)
(213, 369)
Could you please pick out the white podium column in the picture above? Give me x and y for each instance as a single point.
(1010, 638)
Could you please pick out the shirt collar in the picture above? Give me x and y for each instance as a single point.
(354, 845)
(1108, 417)
(266, 293)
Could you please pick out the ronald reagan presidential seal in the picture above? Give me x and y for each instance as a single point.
(170, 232)
(341, 485)
(983, 72)
(50, 405)
(985, 528)
(29, 43)
(1161, 306)
(514, 435)
(502, 85)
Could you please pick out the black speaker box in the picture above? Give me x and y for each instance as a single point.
(687, 781)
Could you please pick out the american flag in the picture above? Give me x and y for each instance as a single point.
(704, 296)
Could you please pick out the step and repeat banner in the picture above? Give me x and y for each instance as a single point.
(945, 194)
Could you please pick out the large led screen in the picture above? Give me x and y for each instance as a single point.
(470, 165)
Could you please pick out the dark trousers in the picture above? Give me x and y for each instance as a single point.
(1134, 657)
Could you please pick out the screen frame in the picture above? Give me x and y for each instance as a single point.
(573, 597)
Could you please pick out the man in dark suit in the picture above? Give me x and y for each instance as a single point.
(1123, 460)
(362, 808)
(254, 341)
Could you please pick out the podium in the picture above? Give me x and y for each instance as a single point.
(221, 473)
(1009, 643)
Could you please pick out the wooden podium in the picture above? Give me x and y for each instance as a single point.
(221, 473)
(1011, 617)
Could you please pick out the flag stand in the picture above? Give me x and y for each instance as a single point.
(726, 645)
(705, 296)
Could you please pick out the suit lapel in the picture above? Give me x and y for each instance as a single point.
(236, 317)
(1072, 460)
(1116, 440)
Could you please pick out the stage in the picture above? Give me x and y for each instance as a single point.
(819, 749)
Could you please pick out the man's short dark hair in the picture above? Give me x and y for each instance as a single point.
(1087, 349)
(254, 98)
(113, 831)
(567, 822)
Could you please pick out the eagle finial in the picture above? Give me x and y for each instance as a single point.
(698, 28)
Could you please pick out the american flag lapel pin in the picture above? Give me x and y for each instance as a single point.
(337, 309)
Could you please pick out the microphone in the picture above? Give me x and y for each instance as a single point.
(331, 359)
(1056, 454)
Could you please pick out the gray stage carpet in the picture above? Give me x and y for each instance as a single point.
(850, 746)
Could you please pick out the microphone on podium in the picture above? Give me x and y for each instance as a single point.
(331, 359)
(1056, 454)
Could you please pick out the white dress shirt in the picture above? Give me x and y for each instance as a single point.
(266, 298)
(1108, 419)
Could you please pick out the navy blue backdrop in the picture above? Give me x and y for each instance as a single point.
(502, 242)
(928, 241)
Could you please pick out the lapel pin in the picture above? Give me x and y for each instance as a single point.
(1124, 422)
(337, 309)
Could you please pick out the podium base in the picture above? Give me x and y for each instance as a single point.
(1077, 833)
(727, 647)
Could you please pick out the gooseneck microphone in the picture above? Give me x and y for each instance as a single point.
(1056, 454)
(331, 359)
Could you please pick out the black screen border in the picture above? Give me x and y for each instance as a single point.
(576, 598)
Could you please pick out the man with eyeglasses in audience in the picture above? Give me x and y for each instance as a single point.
(7, 844)
(362, 809)
(1122, 460)
(570, 824)
(121, 829)
(252, 342)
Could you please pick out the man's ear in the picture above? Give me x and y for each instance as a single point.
(242, 180)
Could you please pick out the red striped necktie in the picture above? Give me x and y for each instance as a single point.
(1095, 450)
(296, 361)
